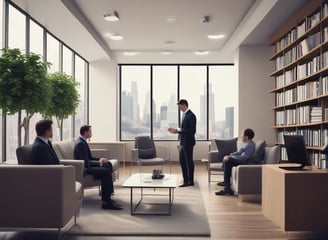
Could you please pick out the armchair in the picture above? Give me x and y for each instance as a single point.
(23, 154)
(145, 153)
(215, 157)
(247, 179)
(65, 150)
(38, 196)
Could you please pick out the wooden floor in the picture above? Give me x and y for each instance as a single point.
(228, 217)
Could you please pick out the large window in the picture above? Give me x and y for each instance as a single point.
(223, 92)
(81, 78)
(36, 38)
(135, 99)
(16, 29)
(165, 115)
(149, 94)
(61, 57)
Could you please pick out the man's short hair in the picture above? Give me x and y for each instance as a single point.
(183, 102)
(42, 126)
(249, 133)
(84, 129)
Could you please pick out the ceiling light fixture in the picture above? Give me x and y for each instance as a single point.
(130, 53)
(201, 52)
(170, 19)
(115, 37)
(215, 36)
(166, 53)
(111, 16)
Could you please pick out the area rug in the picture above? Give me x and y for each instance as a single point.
(188, 217)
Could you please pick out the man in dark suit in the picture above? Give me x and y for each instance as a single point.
(187, 142)
(42, 151)
(99, 167)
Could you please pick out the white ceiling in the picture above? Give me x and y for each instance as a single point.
(80, 24)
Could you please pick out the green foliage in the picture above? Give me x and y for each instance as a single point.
(65, 98)
(23, 82)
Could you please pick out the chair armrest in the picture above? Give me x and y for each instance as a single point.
(79, 168)
(247, 179)
(213, 156)
(134, 154)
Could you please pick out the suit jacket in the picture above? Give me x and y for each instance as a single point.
(188, 130)
(82, 152)
(43, 153)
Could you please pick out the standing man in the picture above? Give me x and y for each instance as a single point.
(187, 142)
(42, 151)
(99, 167)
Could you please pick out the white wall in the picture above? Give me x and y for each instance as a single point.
(103, 107)
(255, 101)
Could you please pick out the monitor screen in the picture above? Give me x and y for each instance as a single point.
(296, 150)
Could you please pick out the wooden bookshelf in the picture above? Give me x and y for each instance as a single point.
(301, 78)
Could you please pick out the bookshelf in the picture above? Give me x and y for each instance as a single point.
(301, 78)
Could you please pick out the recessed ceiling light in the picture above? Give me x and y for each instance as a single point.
(111, 16)
(215, 36)
(130, 53)
(201, 52)
(166, 53)
(115, 37)
(170, 19)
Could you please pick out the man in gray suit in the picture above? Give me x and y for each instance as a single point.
(187, 143)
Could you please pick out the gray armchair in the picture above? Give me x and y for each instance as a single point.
(247, 179)
(145, 153)
(215, 157)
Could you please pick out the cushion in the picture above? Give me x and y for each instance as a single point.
(226, 146)
(258, 155)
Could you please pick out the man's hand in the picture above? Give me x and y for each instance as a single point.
(172, 130)
(226, 158)
(103, 160)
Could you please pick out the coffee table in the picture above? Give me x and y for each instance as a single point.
(142, 181)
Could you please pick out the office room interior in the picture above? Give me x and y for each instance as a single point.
(245, 28)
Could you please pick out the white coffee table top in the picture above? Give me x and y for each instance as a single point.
(144, 180)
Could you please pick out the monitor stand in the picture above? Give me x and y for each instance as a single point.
(293, 168)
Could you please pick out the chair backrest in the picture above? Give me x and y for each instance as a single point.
(272, 155)
(23, 154)
(226, 146)
(146, 147)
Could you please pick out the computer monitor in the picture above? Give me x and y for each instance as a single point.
(296, 151)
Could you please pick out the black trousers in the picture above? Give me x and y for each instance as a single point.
(187, 163)
(227, 168)
(104, 173)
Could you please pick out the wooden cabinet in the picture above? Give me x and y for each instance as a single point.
(295, 200)
(301, 78)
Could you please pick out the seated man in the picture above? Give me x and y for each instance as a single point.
(237, 158)
(99, 167)
(42, 151)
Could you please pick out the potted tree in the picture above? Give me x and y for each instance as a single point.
(24, 87)
(65, 98)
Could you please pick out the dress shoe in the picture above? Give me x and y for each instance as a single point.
(221, 184)
(187, 184)
(225, 192)
(110, 205)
